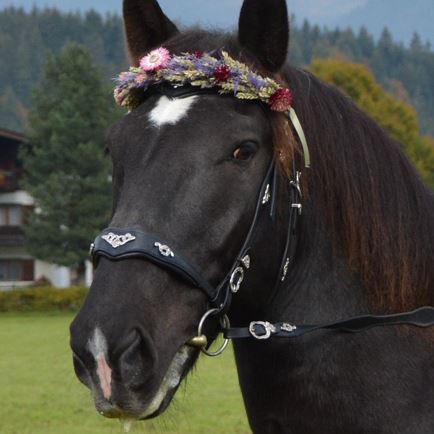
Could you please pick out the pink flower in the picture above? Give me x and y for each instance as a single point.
(155, 60)
(140, 78)
(117, 95)
(281, 100)
(121, 96)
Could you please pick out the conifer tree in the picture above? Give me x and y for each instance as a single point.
(67, 172)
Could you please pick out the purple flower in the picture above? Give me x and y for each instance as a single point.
(175, 65)
(256, 81)
(125, 78)
(203, 67)
(236, 81)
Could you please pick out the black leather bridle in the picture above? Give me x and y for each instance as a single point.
(121, 244)
(125, 243)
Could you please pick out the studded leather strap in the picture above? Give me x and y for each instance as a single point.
(119, 244)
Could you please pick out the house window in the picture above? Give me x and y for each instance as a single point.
(16, 270)
(11, 215)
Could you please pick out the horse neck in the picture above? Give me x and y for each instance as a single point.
(286, 383)
(298, 385)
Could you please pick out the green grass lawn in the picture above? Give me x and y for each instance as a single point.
(39, 393)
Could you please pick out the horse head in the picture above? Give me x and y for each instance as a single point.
(206, 211)
(190, 169)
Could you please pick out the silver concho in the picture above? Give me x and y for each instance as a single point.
(268, 329)
(246, 261)
(288, 327)
(236, 280)
(285, 269)
(267, 195)
(118, 240)
(164, 250)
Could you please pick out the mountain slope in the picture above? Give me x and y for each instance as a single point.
(403, 18)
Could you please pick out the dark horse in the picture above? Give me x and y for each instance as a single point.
(189, 169)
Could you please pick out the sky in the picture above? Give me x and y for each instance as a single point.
(402, 17)
(222, 12)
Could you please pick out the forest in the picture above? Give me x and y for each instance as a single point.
(26, 38)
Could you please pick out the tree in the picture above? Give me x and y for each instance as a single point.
(67, 172)
(396, 117)
(366, 43)
(12, 112)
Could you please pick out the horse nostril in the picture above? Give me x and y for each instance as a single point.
(81, 371)
(136, 363)
(114, 366)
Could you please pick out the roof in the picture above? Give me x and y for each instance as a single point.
(11, 135)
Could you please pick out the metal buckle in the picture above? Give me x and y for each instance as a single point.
(268, 329)
(239, 274)
(299, 206)
(296, 183)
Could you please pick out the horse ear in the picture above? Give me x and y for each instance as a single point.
(264, 31)
(146, 27)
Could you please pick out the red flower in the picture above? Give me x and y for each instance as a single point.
(222, 73)
(198, 54)
(281, 100)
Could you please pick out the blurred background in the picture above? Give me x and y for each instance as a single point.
(57, 62)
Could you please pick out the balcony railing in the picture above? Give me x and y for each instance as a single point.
(11, 236)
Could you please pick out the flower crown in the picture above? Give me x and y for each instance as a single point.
(203, 70)
(200, 70)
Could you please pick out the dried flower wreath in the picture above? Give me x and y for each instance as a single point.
(205, 71)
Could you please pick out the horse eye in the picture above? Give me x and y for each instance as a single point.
(245, 151)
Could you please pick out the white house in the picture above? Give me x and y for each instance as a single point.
(17, 267)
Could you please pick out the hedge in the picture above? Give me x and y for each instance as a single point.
(39, 299)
